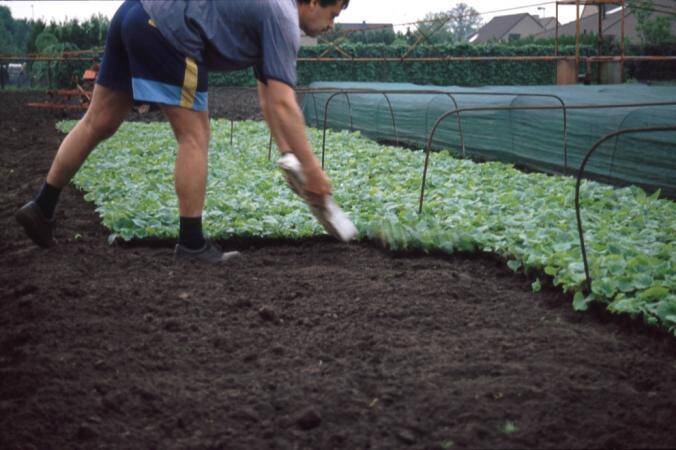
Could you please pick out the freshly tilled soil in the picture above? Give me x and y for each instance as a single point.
(302, 344)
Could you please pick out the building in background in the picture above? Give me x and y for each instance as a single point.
(512, 27)
(548, 23)
(611, 24)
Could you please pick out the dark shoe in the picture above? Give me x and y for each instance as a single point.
(36, 225)
(209, 254)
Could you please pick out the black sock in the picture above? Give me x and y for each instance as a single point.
(47, 199)
(190, 233)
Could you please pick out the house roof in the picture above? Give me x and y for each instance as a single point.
(499, 26)
(610, 25)
(547, 22)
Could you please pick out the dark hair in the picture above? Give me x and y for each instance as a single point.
(325, 3)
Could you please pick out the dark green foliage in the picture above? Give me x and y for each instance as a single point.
(654, 30)
(463, 73)
(19, 37)
(87, 34)
(243, 78)
(651, 70)
(58, 73)
(7, 44)
(13, 33)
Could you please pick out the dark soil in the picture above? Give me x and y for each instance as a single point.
(309, 344)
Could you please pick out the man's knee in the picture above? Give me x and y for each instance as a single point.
(102, 126)
(197, 140)
(192, 134)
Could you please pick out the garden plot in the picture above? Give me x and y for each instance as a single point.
(309, 343)
(528, 219)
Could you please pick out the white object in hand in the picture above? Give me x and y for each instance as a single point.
(332, 218)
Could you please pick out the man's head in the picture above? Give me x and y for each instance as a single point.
(317, 16)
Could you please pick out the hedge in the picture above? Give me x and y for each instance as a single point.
(443, 73)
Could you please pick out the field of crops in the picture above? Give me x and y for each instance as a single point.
(452, 329)
(528, 219)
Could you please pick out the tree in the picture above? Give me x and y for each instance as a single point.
(37, 28)
(14, 34)
(435, 27)
(455, 25)
(464, 22)
(45, 40)
(7, 43)
(654, 30)
(21, 32)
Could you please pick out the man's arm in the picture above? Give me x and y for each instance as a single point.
(262, 99)
(287, 125)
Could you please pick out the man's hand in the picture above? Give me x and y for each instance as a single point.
(317, 184)
(312, 185)
(322, 206)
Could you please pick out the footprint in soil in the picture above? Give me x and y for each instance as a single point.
(172, 326)
(86, 432)
(24, 290)
(309, 418)
(268, 314)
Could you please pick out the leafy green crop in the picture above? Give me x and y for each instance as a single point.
(527, 218)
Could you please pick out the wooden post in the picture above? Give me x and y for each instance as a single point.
(622, 47)
(566, 71)
(577, 33)
(600, 40)
(556, 48)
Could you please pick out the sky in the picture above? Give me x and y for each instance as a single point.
(377, 11)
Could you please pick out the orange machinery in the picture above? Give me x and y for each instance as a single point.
(82, 92)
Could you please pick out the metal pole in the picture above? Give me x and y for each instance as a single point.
(462, 134)
(394, 122)
(270, 148)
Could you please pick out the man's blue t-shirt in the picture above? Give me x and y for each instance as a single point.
(233, 34)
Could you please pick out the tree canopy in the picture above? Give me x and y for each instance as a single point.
(655, 30)
(455, 25)
(21, 36)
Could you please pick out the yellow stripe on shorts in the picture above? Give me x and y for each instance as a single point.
(189, 84)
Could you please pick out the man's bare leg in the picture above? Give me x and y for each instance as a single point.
(106, 113)
(192, 131)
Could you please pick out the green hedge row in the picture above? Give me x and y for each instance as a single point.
(471, 73)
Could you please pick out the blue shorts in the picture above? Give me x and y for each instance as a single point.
(139, 60)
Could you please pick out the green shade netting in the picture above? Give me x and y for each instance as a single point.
(532, 138)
